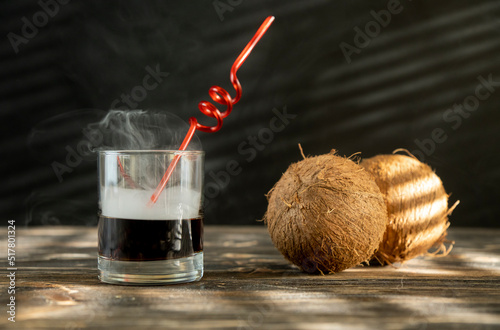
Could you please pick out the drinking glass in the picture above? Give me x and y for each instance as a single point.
(142, 243)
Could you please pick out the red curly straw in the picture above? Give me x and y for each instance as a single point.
(219, 95)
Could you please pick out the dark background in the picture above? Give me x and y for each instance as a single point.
(395, 91)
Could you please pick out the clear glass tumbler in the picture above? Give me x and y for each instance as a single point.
(150, 244)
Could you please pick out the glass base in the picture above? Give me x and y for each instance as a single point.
(157, 272)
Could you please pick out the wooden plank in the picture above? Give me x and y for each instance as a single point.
(249, 285)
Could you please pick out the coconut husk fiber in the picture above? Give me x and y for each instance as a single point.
(417, 205)
(326, 214)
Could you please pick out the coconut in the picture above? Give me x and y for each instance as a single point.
(326, 214)
(417, 205)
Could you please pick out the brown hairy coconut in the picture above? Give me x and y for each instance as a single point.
(417, 205)
(326, 214)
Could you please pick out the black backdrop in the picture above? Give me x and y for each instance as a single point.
(409, 79)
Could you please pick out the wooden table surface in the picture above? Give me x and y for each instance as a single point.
(248, 285)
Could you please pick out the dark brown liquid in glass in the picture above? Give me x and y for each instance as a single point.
(148, 240)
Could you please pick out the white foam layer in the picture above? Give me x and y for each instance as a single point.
(174, 204)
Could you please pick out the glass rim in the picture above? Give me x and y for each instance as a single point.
(152, 151)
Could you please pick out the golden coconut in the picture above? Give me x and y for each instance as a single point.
(417, 205)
